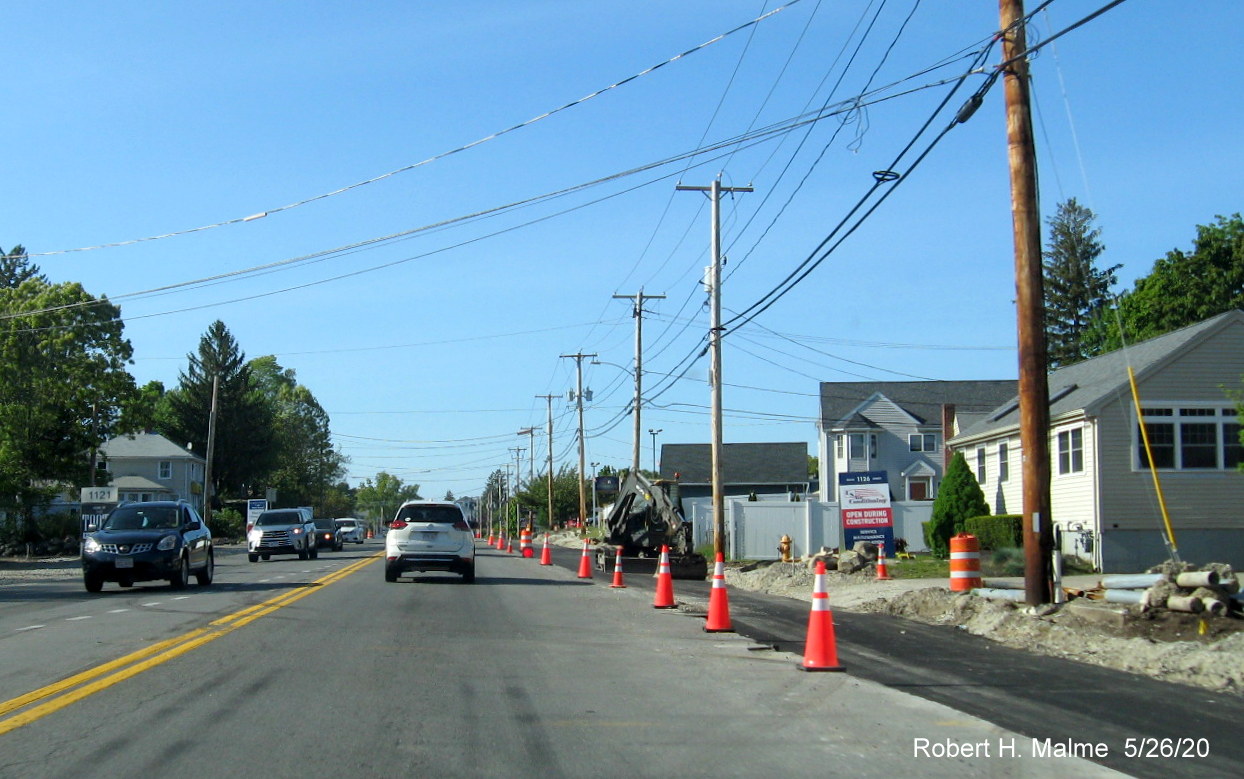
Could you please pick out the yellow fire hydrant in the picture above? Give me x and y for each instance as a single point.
(784, 548)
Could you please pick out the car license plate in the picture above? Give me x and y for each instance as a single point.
(125, 562)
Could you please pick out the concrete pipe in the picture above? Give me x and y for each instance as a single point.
(1185, 603)
(1194, 579)
(1213, 607)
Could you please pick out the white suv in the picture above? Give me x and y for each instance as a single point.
(429, 535)
(351, 529)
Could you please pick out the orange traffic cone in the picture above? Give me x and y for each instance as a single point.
(510, 546)
(617, 571)
(718, 603)
(665, 582)
(491, 539)
(820, 651)
(546, 555)
(585, 563)
(882, 573)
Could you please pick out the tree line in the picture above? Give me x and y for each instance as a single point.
(65, 389)
(1083, 319)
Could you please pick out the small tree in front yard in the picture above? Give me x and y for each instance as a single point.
(958, 499)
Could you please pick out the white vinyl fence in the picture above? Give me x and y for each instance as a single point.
(753, 528)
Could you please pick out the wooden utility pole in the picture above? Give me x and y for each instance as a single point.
(1034, 393)
(211, 452)
(714, 345)
(639, 299)
(578, 360)
(549, 399)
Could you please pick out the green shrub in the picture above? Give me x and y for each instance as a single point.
(958, 498)
(227, 525)
(1001, 531)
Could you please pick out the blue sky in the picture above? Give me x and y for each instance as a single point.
(129, 121)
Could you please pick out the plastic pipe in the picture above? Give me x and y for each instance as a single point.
(1213, 606)
(1130, 597)
(1135, 581)
(994, 593)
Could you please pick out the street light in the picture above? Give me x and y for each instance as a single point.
(654, 433)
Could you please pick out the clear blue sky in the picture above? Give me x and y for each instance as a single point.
(133, 120)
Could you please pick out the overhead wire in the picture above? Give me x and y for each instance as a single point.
(434, 158)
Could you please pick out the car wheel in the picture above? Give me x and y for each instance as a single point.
(182, 576)
(468, 575)
(390, 575)
(314, 554)
(205, 576)
(254, 558)
(302, 554)
(93, 582)
(265, 557)
(125, 583)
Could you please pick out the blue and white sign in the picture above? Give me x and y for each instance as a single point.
(864, 503)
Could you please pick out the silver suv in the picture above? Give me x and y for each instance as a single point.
(282, 531)
(429, 536)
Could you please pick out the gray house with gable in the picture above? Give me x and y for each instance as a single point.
(900, 428)
(148, 466)
(1102, 495)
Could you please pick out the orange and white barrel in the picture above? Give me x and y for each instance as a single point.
(965, 562)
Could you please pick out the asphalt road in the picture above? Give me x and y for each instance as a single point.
(320, 668)
(1038, 696)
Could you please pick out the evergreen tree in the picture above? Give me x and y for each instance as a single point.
(1075, 290)
(958, 499)
(245, 448)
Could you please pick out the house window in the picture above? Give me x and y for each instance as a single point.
(980, 465)
(1004, 462)
(1196, 438)
(1231, 446)
(857, 446)
(872, 446)
(919, 488)
(922, 442)
(166, 470)
(1071, 451)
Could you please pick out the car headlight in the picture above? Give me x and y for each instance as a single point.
(91, 546)
(167, 543)
(297, 531)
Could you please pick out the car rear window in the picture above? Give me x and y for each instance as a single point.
(446, 515)
(325, 524)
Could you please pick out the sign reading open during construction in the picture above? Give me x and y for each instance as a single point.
(864, 500)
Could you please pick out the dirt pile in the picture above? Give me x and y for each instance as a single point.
(1185, 648)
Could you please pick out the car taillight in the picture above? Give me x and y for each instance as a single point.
(460, 525)
(398, 524)
(249, 525)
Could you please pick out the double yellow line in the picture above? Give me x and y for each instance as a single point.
(89, 682)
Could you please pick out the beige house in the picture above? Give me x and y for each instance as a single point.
(148, 466)
(1102, 495)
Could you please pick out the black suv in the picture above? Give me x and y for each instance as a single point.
(139, 542)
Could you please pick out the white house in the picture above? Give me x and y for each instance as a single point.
(1102, 494)
(148, 466)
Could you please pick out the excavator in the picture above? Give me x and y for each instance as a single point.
(646, 516)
